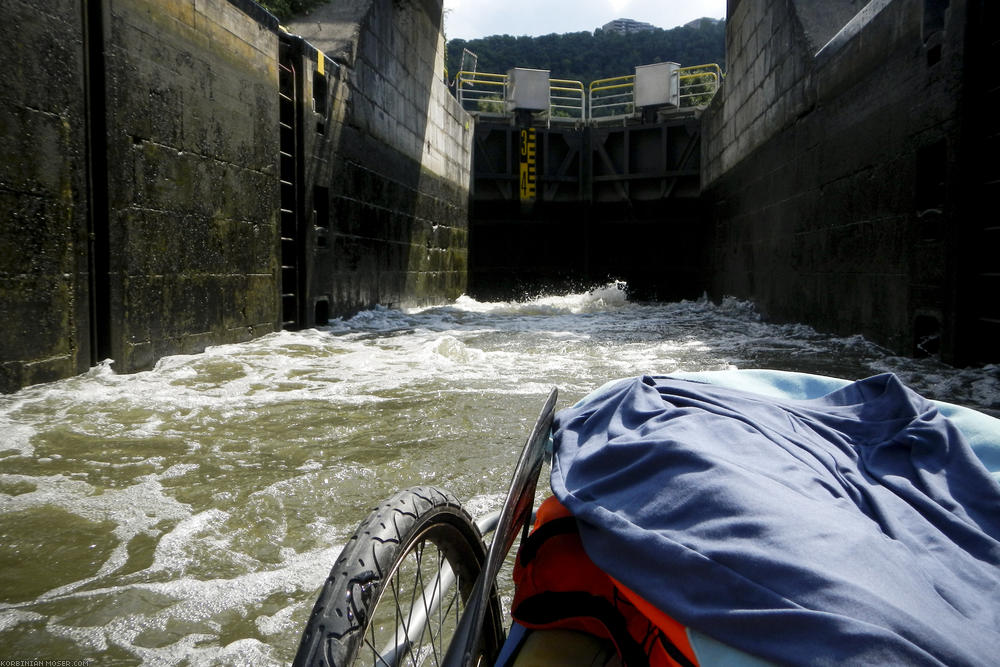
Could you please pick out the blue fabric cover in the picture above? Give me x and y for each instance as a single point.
(857, 527)
(981, 431)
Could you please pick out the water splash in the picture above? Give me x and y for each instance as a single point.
(189, 513)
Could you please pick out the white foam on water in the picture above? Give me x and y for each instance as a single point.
(210, 604)
(10, 618)
(245, 467)
(173, 551)
(134, 510)
(16, 437)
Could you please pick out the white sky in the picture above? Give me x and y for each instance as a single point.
(469, 19)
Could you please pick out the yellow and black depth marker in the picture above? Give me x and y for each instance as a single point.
(528, 172)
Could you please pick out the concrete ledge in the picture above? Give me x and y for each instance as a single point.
(852, 28)
(334, 28)
(257, 13)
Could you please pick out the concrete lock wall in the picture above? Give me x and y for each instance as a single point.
(192, 153)
(137, 180)
(142, 177)
(44, 290)
(398, 188)
(830, 166)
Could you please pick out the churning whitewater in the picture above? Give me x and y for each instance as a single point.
(189, 514)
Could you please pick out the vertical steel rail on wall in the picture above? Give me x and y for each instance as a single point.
(99, 251)
(289, 181)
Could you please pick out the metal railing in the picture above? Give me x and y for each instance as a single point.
(482, 93)
(614, 98)
(611, 99)
(698, 84)
(485, 94)
(566, 100)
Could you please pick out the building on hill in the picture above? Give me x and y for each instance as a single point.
(626, 26)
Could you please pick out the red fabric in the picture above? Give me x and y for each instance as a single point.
(560, 566)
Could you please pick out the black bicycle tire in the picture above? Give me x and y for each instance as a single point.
(354, 588)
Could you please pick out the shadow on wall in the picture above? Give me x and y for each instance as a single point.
(390, 178)
(838, 172)
(148, 183)
(136, 182)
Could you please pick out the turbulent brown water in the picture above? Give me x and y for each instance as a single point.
(188, 515)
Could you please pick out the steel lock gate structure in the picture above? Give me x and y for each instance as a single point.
(570, 189)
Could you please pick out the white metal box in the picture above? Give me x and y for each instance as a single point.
(657, 85)
(528, 89)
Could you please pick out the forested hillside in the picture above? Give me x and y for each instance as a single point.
(582, 56)
(586, 56)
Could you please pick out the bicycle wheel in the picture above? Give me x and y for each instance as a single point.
(387, 600)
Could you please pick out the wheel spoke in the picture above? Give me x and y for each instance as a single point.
(404, 575)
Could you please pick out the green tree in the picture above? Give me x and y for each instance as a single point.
(586, 56)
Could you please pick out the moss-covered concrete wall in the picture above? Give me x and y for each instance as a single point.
(398, 149)
(832, 164)
(44, 286)
(192, 155)
(145, 160)
(138, 181)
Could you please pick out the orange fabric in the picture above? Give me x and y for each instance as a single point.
(550, 509)
(559, 565)
(670, 627)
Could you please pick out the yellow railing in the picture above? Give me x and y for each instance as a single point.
(615, 97)
(612, 98)
(482, 92)
(566, 100)
(605, 99)
(485, 93)
(698, 84)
